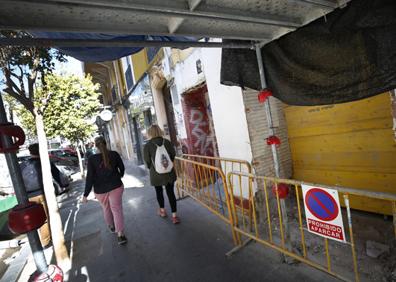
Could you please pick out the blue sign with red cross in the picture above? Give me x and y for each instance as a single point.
(321, 204)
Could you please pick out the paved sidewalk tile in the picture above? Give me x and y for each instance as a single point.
(158, 250)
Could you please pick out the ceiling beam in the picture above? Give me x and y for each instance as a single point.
(210, 13)
(175, 23)
(192, 4)
(321, 3)
(98, 79)
(42, 42)
(102, 73)
(65, 27)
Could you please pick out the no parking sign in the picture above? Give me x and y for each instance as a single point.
(323, 212)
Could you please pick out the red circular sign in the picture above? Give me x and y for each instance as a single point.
(321, 204)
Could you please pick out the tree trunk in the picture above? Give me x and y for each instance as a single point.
(80, 159)
(11, 114)
(58, 239)
(83, 147)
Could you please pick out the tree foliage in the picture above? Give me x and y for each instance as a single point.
(68, 104)
(23, 67)
(27, 121)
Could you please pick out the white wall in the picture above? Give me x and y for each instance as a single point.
(5, 179)
(185, 72)
(228, 110)
(159, 106)
(226, 102)
(185, 77)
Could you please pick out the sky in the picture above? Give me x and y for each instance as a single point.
(72, 66)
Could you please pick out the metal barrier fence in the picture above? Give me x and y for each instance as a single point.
(207, 185)
(226, 164)
(271, 231)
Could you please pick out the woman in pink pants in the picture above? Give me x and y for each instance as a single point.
(105, 171)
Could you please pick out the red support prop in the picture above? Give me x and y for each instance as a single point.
(273, 140)
(53, 274)
(15, 132)
(282, 190)
(26, 217)
(263, 95)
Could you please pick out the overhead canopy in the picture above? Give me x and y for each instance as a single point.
(257, 20)
(101, 54)
(343, 56)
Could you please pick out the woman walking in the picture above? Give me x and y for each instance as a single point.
(105, 171)
(159, 155)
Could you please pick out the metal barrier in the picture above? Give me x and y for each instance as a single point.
(271, 232)
(206, 184)
(227, 165)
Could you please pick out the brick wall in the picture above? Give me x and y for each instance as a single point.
(262, 154)
(258, 132)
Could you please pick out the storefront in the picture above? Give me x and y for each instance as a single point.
(141, 115)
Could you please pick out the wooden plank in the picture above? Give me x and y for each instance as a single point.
(349, 144)
(358, 141)
(372, 113)
(381, 182)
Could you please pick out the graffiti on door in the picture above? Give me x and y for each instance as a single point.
(201, 139)
(203, 143)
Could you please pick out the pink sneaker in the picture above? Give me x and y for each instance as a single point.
(175, 220)
(162, 213)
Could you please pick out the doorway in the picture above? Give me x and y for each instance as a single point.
(201, 137)
(170, 115)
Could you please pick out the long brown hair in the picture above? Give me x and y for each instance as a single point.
(154, 131)
(100, 143)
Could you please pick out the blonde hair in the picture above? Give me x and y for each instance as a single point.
(155, 131)
(100, 143)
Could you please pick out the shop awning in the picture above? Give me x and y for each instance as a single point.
(101, 54)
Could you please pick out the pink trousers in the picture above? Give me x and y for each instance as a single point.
(112, 208)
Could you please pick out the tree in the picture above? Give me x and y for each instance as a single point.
(24, 69)
(72, 103)
(27, 120)
(11, 104)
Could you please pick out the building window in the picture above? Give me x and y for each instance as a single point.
(113, 94)
(199, 66)
(174, 94)
(128, 73)
(151, 52)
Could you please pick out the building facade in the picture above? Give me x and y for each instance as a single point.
(180, 91)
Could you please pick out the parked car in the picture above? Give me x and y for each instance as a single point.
(23, 155)
(66, 167)
(63, 157)
(65, 176)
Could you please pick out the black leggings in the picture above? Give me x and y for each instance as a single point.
(169, 192)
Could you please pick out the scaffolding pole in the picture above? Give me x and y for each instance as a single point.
(20, 193)
(271, 132)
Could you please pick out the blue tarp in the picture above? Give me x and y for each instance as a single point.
(100, 54)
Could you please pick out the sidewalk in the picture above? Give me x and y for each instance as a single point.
(160, 251)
